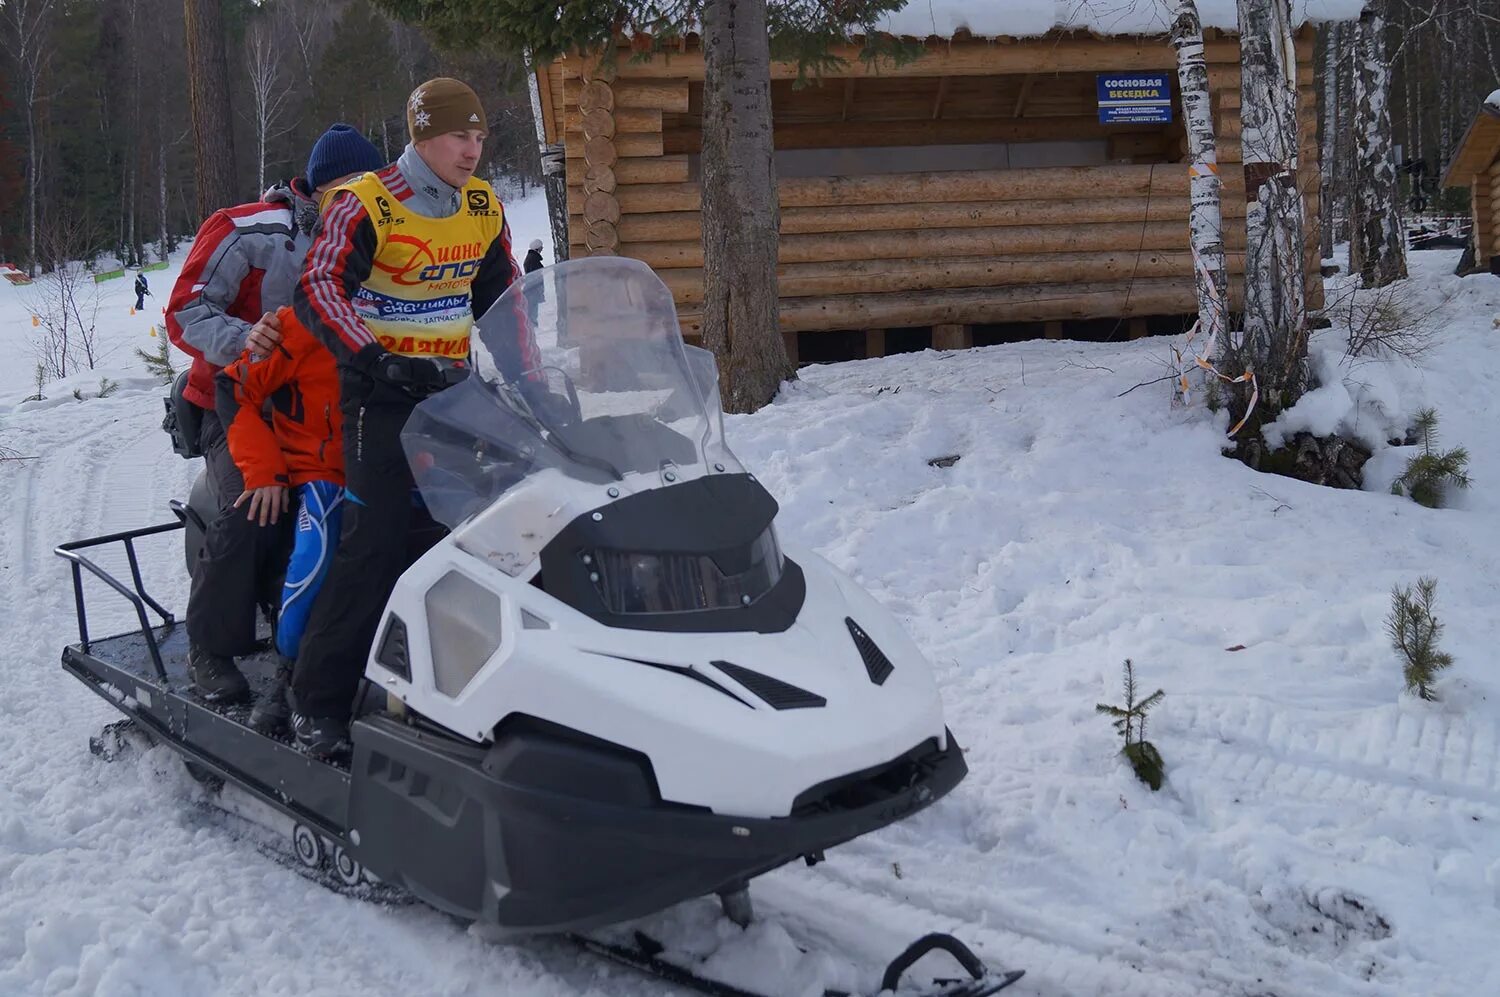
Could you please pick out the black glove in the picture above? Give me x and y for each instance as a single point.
(416, 376)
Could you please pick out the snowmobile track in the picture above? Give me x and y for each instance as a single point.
(1255, 750)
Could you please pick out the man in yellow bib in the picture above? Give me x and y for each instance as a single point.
(402, 262)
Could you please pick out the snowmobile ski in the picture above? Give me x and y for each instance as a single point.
(647, 956)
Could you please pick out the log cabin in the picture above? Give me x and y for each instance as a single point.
(1476, 165)
(973, 195)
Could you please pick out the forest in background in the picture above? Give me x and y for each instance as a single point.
(94, 105)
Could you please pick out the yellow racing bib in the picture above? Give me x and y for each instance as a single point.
(416, 300)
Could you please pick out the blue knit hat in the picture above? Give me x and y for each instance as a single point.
(339, 151)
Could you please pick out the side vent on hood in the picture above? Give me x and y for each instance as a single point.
(877, 664)
(778, 694)
(393, 653)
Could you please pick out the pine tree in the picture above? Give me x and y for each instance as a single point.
(208, 97)
(741, 221)
(1414, 634)
(1130, 723)
(1429, 473)
(159, 361)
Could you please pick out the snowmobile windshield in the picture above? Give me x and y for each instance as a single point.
(579, 372)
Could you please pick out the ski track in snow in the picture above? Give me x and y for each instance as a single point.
(1318, 833)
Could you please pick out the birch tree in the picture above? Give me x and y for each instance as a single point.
(1211, 279)
(1274, 345)
(1328, 154)
(1377, 247)
(268, 94)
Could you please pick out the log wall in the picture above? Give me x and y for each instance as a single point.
(944, 248)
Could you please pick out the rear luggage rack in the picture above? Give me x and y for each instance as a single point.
(137, 595)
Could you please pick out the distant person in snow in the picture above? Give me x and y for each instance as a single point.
(141, 290)
(534, 257)
(536, 293)
(243, 266)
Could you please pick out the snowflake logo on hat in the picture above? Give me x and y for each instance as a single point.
(416, 100)
(423, 119)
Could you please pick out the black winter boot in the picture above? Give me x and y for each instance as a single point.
(215, 677)
(321, 737)
(273, 708)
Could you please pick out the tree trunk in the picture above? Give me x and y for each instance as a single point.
(208, 96)
(1332, 38)
(1274, 345)
(741, 216)
(554, 170)
(1205, 221)
(1377, 248)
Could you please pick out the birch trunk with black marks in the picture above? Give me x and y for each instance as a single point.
(1274, 345)
(741, 215)
(1206, 225)
(1332, 49)
(1377, 247)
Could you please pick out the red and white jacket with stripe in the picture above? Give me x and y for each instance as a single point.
(343, 256)
(244, 262)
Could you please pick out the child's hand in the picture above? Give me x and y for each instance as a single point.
(267, 504)
(264, 335)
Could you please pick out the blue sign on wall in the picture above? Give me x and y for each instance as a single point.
(1135, 98)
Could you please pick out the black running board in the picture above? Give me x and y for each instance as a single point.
(307, 790)
(646, 956)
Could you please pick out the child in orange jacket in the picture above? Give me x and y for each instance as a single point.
(301, 448)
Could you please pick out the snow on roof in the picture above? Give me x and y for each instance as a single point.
(1021, 18)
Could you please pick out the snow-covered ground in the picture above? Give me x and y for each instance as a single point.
(1320, 832)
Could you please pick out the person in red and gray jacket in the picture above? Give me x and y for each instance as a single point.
(244, 264)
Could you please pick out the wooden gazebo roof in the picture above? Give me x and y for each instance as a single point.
(1476, 151)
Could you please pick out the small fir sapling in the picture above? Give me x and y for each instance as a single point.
(1414, 634)
(159, 363)
(1429, 473)
(1130, 722)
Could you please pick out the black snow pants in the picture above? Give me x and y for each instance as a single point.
(384, 531)
(240, 564)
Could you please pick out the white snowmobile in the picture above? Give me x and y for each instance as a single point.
(611, 687)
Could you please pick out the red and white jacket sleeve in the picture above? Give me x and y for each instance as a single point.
(341, 258)
(212, 279)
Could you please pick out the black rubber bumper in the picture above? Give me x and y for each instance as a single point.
(549, 830)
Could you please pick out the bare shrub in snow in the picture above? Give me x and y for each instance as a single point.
(1430, 473)
(68, 307)
(1130, 722)
(1414, 634)
(1386, 322)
